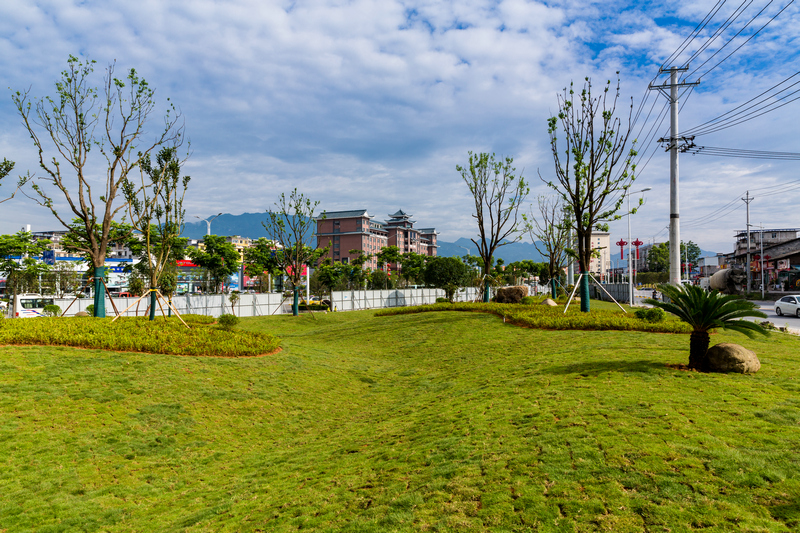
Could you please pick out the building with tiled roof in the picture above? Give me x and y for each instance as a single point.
(357, 230)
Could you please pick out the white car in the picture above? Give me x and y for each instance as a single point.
(788, 305)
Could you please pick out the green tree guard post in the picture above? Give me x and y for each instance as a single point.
(99, 293)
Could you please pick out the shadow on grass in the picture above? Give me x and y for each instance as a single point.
(645, 366)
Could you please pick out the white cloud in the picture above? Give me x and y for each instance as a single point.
(372, 103)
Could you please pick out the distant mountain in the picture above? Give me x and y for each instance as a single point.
(244, 225)
(510, 253)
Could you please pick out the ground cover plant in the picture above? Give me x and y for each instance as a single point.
(446, 421)
(162, 336)
(605, 317)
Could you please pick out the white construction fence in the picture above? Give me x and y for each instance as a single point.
(269, 304)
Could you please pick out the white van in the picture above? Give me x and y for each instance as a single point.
(31, 305)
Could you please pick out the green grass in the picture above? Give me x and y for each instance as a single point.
(445, 421)
(163, 336)
(603, 317)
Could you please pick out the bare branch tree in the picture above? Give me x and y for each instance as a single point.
(82, 119)
(498, 194)
(593, 164)
(550, 232)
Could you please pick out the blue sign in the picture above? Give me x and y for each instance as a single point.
(49, 257)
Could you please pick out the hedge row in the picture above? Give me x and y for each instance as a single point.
(131, 334)
(546, 317)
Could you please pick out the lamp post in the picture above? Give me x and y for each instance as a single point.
(630, 259)
(208, 222)
(761, 256)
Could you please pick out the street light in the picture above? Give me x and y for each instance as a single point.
(630, 259)
(208, 222)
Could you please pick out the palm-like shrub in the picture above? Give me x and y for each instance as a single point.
(705, 311)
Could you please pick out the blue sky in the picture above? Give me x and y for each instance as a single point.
(372, 104)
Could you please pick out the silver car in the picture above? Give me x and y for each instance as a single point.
(788, 305)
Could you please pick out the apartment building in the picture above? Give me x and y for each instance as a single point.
(358, 230)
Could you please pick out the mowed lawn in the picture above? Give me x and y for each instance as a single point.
(432, 422)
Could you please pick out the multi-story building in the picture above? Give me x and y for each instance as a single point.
(343, 231)
(599, 266)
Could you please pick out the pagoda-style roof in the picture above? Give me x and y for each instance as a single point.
(400, 214)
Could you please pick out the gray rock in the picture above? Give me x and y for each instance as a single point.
(549, 302)
(729, 357)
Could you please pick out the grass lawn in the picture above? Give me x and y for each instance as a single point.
(446, 421)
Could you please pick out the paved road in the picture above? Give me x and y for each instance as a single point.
(792, 322)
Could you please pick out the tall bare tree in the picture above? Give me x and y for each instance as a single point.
(593, 164)
(79, 121)
(550, 232)
(498, 194)
(6, 167)
(155, 206)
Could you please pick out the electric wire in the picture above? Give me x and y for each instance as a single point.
(736, 35)
(733, 17)
(736, 113)
(744, 154)
(693, 35)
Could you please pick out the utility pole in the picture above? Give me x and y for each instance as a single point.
(747, 199)
(672, 146)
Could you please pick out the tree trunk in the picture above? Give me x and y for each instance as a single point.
(153, 302)
(553, 288)
(486, 291)
(698, 346)
(295, 302)
(584, 292)
(99, 293)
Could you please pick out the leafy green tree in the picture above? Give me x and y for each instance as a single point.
(218, 257)
(498, 195)
(292, 225)
(593, 164)
(448, 273)
(20, 273)
(379, 280)
(389, 255)
(705, 311)
(261, 258)
(155, 206)
(82, 120)
(658, 256)
(412, 267)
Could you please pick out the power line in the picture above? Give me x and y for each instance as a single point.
(737, 112)
(737, 34)
(745, 154)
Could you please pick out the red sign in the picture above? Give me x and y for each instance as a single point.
(185, 263)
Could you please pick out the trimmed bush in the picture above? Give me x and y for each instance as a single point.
(528, 300)
(90, 309)
(442, 300)
(227, 322)
(653, 315)
(137, 334)
(51, 310)
(545, 317)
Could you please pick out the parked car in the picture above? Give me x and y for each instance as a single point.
(788, 305)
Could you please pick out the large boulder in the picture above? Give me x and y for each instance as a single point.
(729, 357)
(511, 295)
